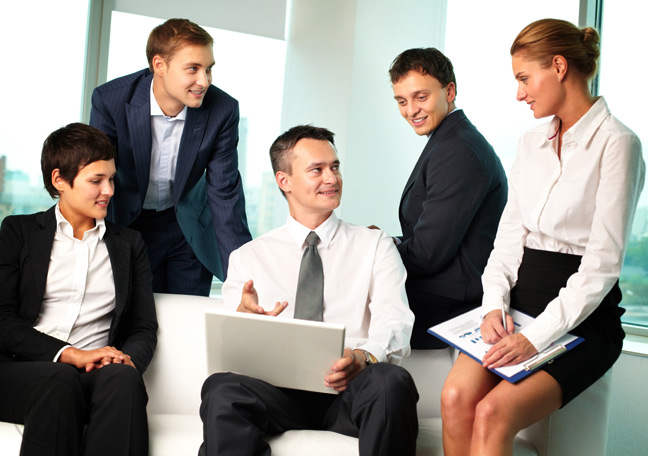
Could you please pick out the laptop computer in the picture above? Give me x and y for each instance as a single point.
(289, 353)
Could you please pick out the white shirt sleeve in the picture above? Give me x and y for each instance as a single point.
(391, 318)
(233, 285)
(622, 177)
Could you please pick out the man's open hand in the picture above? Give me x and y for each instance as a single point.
(250, 302)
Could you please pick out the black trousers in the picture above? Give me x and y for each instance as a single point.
(174, 265)
(55, 402)
(378, 407)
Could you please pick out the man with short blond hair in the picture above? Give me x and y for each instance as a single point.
(177, 168)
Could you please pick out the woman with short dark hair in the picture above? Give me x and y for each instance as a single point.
(77, 317)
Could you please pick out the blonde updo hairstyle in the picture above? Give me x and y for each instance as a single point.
(542, 40)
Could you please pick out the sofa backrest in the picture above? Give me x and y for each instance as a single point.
(178, 369)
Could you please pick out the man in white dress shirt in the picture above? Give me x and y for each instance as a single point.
(364, 289)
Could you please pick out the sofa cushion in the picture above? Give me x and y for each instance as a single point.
(324, 443)
(10, 438)
(173, 435)
(430, 441)
(312, 443)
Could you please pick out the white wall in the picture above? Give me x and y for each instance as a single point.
(338, 55)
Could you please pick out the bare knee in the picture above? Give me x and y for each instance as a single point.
(456, 402)
(492, 420)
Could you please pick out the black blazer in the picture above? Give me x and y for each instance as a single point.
(25, 246)
(449, 214)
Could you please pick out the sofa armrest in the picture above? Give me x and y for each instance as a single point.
(581, 427)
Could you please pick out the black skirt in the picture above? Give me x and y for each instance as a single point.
(541, 276)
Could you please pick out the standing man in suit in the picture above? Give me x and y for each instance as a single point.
(77, 317)
(177, 167)
(453, 199)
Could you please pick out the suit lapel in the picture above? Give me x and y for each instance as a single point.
(118, 251)
(449, 122)
(192, 134)
(415, 171)
(429, 146)
(39, 242)
(138, 116)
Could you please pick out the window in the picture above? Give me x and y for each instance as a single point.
(620, 65)
(248, 67)
(43, 81)
(486, 91)
(479, 50)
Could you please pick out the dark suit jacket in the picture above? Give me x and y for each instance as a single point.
(449, 214)
(121, 109)
(25, 246)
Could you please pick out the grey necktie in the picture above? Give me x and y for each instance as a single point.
(309, 302)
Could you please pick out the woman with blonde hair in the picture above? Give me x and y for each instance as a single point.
(573, 191)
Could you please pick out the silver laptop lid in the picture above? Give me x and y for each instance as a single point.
(285, 352)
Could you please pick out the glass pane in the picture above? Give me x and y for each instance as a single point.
(42, 79)
(479, 49)
(251, 69)
(620, 63)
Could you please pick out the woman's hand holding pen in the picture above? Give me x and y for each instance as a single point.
(509, 348)
(492, 328)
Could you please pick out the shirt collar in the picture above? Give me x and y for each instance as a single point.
(325, 231)
(582, 130)
(65, 227)
(157, 111)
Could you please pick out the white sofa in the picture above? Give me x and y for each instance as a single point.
(176, 374)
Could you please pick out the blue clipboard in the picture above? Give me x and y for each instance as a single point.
(462, 332)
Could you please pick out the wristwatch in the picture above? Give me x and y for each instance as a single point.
(368, 357)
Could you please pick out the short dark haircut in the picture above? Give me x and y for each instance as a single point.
(165, 39)
(281, 150)
(69, 149)
(428, 61)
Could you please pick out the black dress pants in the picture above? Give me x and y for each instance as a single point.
(378, 407)
(55, 402)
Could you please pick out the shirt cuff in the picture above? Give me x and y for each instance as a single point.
(58, 354)
(375, 349)
(495, 299)
(542, 332)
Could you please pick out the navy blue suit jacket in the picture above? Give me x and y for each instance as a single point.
(25, 245)
(207, 193)
(449, 213)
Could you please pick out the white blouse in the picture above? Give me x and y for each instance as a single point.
(582, 203)
(79, 299)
